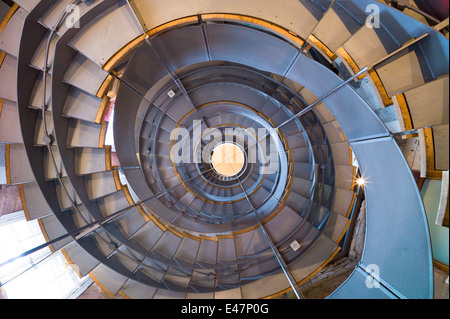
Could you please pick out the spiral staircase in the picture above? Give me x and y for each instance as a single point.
(153, 227)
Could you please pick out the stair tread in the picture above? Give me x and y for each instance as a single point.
(12, 32)
(8, 75)
(85, 75)
(9, 123)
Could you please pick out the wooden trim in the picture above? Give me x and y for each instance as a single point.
(127, 194)
(319, 44)
(380, 87)
(174, 231)
(420, 183)
(132, 45)
(344, 231)
(350, 208)
(102, 90)
(24, 202)
(155, 220)
(1, 106)
(291, 36)
(172, 24)
(119, 55)
(208, 238)
(44, 233)
(186, 234)
(123, 295)
(355, 172)
(430, 157)
(225, 236)
(130, 201)
(285, 196)
(117, 181)
(406, 123)
(349, 60)
(108, 163)
(102, 136)
(8, 16)
(326, 262)
(101, 110)
(243, 231)
(275, 213)
(2, 57)
(291, 177)
(142, 212)
(440, 266)
(109, 293)
(8, 163)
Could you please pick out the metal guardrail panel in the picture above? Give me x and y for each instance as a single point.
(355, 287)
(319, 80)
(397, 238)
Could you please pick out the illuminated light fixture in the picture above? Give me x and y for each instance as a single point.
(360, 181)
(227, 159)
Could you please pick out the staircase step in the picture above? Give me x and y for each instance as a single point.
(9, 123)
(250, 243)
(49, 166)
(40, 134)
(343, 201)
(66, 198)
(346, 20)
(345, 176)
(301, 155)
(315, 259)
(111, 31)
(82, 262)
(102, 184)
(342, 153)
(52, 229)
(187, 250)
(8, 76)
(226, 249)
(38, 59)
(334, 132)
(27, 4)
(207, 252)
(114, 202)
(168, 244)
(301, 186)
(36, 100)
(177, 277)
(84, 106)
(86, 134)
(136, 290)
(18, 169)
(296, 141)
(34, 204)
(148, 235)
(336, 227)
(12, 32)
(283, 225)
(297, 202)
(110, 281)
(85, 75)
(92, 160)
